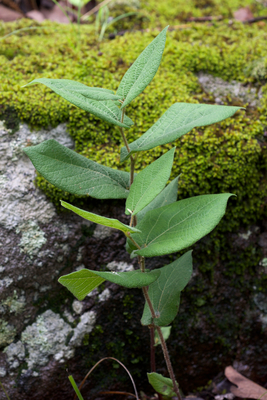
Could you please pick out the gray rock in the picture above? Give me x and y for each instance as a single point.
(46, 337)
(44, 330)
(84, 326)
(15, 352)
(120, 266)
(102, 232)
(221, 89)
(105, 295)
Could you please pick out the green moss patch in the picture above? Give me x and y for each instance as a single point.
(226, 157)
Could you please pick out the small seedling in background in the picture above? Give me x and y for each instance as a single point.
(158, 223)
(103, 21)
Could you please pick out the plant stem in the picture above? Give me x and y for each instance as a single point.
(132, 240)
(168, 362)
(162, 340)
(152, 350)
(122, 133)
(142, 263)
(128, 149)
(145, 292)
(4, 390)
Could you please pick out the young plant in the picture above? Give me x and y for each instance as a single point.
(103, 21)
(159, 224)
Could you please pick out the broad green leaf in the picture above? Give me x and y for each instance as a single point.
(68, 85)
(167, 196)
(178, 225)
(87, 99)
(98, 219)
(161, 385)
(165, 292)
(166, 331)
(149, 183)
(179, 119)
(76, 174)
(143, 70)
(82, 282)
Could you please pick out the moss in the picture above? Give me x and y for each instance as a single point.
(10, 118)
(230, 156)
(55, 195)
(174, 11)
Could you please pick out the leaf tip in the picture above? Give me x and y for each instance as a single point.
(30, 83)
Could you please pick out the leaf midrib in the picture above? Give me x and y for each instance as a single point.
(83, 168)
(146, 139)
(145, 192)
(135, 73)
(92, 102)
(160, 299)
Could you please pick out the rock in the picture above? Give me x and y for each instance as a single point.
(35, 244)
(120, 266)
(44, 330)
(221, 89)
(84, 327)
(243, 14)
(35, 15)
(102, 232)
(105, 295)
(56, 14)
(8, 15)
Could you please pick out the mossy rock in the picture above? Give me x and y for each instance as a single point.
(225, 157)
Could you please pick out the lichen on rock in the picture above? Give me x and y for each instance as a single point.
(47, 337)
(12, 304)
(7, 333)
(32, 238)
(222, 90)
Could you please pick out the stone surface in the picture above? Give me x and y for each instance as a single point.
(8, 15)
(45, 334)
(235, 90)
(35, 15)
(41, 324)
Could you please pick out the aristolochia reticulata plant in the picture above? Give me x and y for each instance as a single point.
(159, 224)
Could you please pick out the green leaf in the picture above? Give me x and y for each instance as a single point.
(149, 183)
(161, 385)
(68, 85)
(98, 219)
(167, 196)
(179, 119)
(87, 99)
(76, 174)
(178, 225)
(165, 292)
(166, 331)
(143, 70)
(82, 282)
